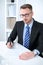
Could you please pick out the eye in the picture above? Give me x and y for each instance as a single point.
(26, 15)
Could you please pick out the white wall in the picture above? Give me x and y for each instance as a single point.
(37, 8)
(20, 2)
(2, 20)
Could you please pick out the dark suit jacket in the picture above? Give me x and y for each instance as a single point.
(36, 39)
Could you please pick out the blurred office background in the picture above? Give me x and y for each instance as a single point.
(37, 8)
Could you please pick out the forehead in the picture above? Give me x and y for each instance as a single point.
(26, 10)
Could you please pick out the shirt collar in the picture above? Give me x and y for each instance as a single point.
(30, 24)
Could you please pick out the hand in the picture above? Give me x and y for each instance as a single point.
(9, 44)
(26, 55)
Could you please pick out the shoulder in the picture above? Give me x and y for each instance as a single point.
(38, 24)
(19, 23)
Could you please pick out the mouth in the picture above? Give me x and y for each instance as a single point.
(25, 19)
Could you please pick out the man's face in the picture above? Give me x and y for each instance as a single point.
(26, 15)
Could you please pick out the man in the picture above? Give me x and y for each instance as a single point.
(35, 43)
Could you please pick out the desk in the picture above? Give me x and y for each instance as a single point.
(12, 55)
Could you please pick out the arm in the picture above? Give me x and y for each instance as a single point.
(12, 37)
(37, 51)
(40, 41)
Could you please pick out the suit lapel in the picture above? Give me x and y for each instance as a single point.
(34, 32)
(21, 32)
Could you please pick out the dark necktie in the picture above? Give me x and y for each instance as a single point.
(27, 37)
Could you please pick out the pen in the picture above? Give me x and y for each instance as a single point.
(10, 43)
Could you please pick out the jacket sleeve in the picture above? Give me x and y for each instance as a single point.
(40, 41)
(13, 34)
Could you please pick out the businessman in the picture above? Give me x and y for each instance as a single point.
(29, 32)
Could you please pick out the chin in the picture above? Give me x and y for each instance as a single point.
(26, 22)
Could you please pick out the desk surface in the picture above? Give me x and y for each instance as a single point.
(12, 55)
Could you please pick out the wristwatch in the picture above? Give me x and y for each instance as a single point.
(36, 52)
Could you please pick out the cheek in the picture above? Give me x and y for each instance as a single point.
(29, 19)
